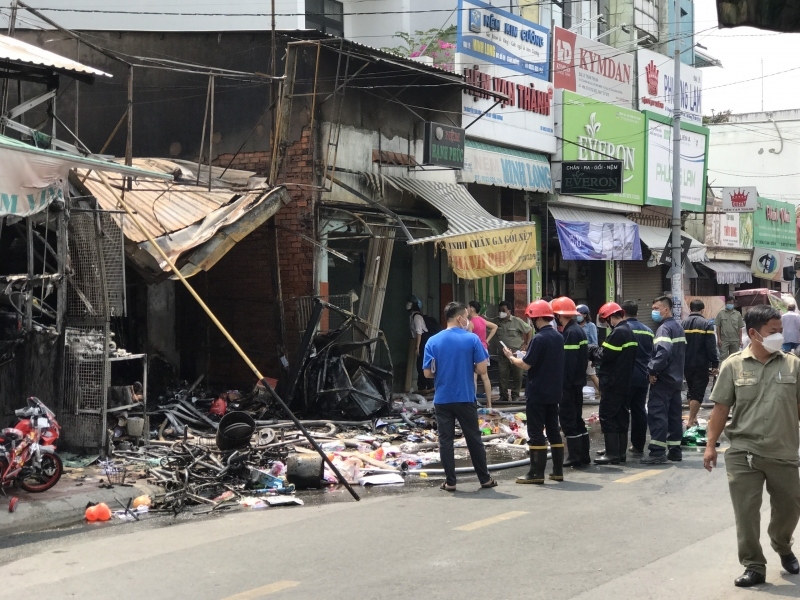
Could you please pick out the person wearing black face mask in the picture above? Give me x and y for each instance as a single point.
(615, 360)
(760, 385)
(665, 370)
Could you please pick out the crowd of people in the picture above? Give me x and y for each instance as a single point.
(639, 375)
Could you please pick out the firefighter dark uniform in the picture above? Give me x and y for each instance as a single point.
(664, 404)
(701, 354)
(637, 399)
(615, 360)
(576, 360)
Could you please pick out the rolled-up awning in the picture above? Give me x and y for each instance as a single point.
(730, 272)
(478, 244)
(656, 238)
(592, 235)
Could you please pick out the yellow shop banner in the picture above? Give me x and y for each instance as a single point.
(479, 255)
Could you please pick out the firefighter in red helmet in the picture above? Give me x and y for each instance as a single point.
(544, 362)
(615, 359)
(576, 360)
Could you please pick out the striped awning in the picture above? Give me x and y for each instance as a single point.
(656, 238)
(463, 213)
(730, 272)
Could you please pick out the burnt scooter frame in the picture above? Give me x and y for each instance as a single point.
(310, 377)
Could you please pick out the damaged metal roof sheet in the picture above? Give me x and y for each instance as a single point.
(16, 51)
(194, 226)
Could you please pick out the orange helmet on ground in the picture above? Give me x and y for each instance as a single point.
(564, 306)
(608, 309)
(539, 310)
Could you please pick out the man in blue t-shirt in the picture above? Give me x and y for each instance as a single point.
(451, 358)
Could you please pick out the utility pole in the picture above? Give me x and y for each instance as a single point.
(676, 271)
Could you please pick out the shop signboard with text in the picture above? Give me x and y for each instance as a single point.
(592, 69)
(774, 225)
(487, 164)
(694, 162)
(495, 252)
(501, 53)
(592, 130)
(656, 78)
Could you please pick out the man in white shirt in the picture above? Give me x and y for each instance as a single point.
(791, 329)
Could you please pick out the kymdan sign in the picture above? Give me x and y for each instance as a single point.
(656, 75)
(479, 255)
(592, 69)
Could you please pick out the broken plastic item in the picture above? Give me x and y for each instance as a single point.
(143, 500)
(283, 501)
(382, 479)
(12, 504)
(98, 512)
(254, 503)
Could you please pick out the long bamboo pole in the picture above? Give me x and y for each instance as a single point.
(225, 333)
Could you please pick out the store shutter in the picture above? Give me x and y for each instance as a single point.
(642, 284)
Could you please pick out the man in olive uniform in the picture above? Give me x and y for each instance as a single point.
(728, 324)
(760, 384)
(515, 334)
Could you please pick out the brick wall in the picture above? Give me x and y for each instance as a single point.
(249, 268)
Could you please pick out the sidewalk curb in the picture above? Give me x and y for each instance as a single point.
(37, 515)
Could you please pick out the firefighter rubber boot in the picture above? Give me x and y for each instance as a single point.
(557, 454)
(611, 456)
(623, 447)
(584, 441)
(573, 452)
(535, 475)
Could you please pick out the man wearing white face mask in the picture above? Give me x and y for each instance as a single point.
(760, 384)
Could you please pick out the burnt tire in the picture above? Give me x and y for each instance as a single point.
(45, 477)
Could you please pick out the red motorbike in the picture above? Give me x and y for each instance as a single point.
(27, 450)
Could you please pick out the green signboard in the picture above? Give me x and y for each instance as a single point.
(694, 163)
(594, 130)
(774, 225)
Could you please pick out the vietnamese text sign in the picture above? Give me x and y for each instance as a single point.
(582, 240)
(729, 230)
(656, 75)
(774, 225)
(741, 199)
(444, 145)
(694, 151)
(580, 177)
(525, 118)
(479, 255)
(769, 264)
(496, 37)
(594, 130)
(592, 69)
(504, 167)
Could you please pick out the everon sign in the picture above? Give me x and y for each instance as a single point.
(592, 69)
(592, 130)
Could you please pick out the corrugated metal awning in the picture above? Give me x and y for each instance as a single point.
(730, 272)
(576, 215)
(193, 226)
(463, 213)
(656, 238)
(15, 51)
